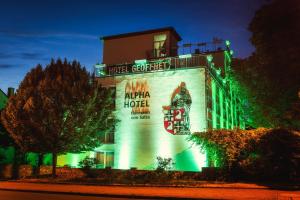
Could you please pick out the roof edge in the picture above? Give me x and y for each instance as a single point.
(3, 92)
(169, 28)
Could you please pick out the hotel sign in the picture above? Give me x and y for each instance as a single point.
(158, 65)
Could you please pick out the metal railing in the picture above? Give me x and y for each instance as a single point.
(174, 63)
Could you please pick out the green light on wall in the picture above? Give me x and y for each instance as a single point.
(71, 159)
(185, 56)
(199, 157)
(214, 105)
(139, 141)
(221, 101)
(124, 157)
(231, 52)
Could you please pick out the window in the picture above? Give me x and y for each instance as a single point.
(105, 159)
(100, 158)
(109, 160)
(109, 137)
(160, 45)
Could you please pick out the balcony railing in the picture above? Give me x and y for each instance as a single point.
(161, 53)
(154, 65)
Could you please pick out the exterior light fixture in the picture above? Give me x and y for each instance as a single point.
(209, 58)
(227, 42)
(140, 62)
(185, 56)
(100, 70)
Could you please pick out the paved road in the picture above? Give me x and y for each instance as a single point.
(244, 191)
(15, 195)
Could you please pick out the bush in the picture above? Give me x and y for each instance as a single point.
(87, 165)
(261, 154)
(225, 148)
(164, 164)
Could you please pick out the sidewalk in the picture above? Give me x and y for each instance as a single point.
(154, 192)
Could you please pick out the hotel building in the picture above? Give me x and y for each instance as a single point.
(163, 93)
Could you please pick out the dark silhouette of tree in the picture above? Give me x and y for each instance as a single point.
(5, 139)
(58, 109)
(272, 73)
(278, 155)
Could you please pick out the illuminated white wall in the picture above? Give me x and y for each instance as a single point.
(139, 141)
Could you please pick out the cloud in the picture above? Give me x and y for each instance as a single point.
(31, 56)
(40, 35)
(21, 55)
(4, 55)
(7, 66)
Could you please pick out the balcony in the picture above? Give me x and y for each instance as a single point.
(154, 65)
(161, 53)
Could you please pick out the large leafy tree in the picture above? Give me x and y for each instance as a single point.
(59, 109)
(5, 140)
(272, 73)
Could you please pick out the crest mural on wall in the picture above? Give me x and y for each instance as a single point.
(176, 115)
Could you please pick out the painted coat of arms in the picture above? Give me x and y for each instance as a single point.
(176, 115)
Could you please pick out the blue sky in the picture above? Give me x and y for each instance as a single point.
(34, 31)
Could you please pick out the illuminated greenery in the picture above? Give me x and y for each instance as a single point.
(259, 154)
(225, 148)
(58, 109)
(164, 164)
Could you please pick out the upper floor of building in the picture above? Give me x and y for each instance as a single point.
(150, 44)
(157, 50)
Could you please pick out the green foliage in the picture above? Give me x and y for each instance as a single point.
(5, 139)
(164, 164)
(88, 163)
(257, 154)
(271, 74)
(59, 109)
(88, 166)
(226, 147)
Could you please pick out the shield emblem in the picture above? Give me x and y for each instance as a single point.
(176, 115)
(174, 120)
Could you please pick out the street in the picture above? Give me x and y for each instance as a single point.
(22, 190)
(15, 195)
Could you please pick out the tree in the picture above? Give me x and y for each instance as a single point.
(5, 139)
(272, 73)
(59, 109)
(278, 155)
